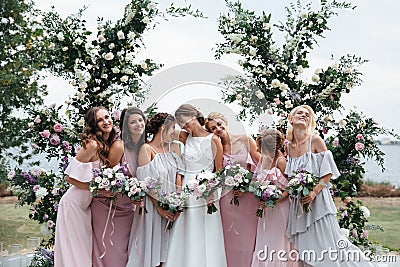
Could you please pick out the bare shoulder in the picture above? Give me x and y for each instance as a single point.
(318, 144)
(183, 135)
(91, 146)
(216, 139)
(175, 147)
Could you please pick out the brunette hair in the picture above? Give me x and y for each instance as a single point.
(270, 141)
(159, 119)
(92, 132)
(126, 134)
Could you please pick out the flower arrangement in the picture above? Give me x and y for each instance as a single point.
(204, 186)
(42, 191)
(267, 192)
(300, 184)
(235, 177)
(173, 202)
(137, 190)
(108, 179)
(353, 218)
(43, 258)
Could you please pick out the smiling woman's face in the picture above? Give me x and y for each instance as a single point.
(136, 124)
(104, 121)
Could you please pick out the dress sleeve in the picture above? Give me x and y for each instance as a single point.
(327, 165)
(80, 171)
(180, 169)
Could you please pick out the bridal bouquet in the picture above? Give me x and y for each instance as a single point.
(108, 179)
(235, 177)
(267, 192)
(301, 183)
(137, 190)
(173, 202)
(203, 186)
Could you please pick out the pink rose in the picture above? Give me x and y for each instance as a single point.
(36, 188)
(347, 200)
(324, 130)
(335, 142)
(45, 134)
(37, 120)
(359, 146)
(360, 137)
(355, 234)
(58, 128)
(55, 140)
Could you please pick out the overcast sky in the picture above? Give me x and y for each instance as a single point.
(372, 31)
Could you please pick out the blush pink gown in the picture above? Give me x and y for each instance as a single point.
(271, 229)
(239, 223)
(112, 224)
(73, 242)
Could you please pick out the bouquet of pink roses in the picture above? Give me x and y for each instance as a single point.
(235, 177)
(136, 190)
(203, 186)
(108, 179)
(267, 192)
(173, 202)
(301, 183)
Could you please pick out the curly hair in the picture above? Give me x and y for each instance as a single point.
(159, 119)
(270, 141)
(92, 132)
(126, 133)
(189, 110)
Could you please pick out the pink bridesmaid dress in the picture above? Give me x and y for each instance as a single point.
(112, 224)
(73, 242)
(271, 229)
(239, 223)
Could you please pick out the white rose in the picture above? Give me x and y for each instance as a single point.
(266, 26)
(315, 78)
(82, 85)
(275, 83)
(288, 104)
(291, 75)
(201, 188)
(51, 46)
(60, 37)
(233, 22)
(120, 35)
(252, 51)
(78, 41)
(109, 56)
(284, 86)
(81, 122)
(335, 66)
(131, 36)
(259, 94)
(64, 48)
(36, 170)
(115, 70)
(144, 65)
(145, 20)
(318, 71)
(239, 97)
(41, 192)
(111, 46)
(342, 123)
(101, 38)
(303, 15)
(124, 78)
(320, 21)
(347, 71)
(300, 69)
(97, 179)
(80, 95)
(346, 232)
(104, 76)
(4, 20)
(253, 39)
(365, 211)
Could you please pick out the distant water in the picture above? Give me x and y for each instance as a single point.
(392, 167)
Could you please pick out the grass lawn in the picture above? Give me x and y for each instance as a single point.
(15, 225)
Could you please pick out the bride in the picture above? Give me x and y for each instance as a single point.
(196, 238)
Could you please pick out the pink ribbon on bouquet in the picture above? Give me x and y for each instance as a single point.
(105, 229)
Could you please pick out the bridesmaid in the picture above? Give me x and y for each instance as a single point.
(112, 222)
(272, 226)
(317, 231)
(160, 159)
(73, 242)
(239, 222)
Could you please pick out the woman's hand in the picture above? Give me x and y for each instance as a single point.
(137, 202)
(165, 214)
(308, 199)
(237, 193)
(106, 193)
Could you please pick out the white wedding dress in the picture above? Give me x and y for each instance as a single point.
(197, 238)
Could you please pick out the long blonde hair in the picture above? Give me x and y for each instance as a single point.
(311, 126)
